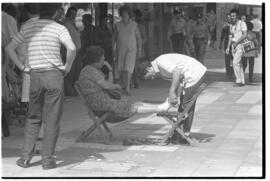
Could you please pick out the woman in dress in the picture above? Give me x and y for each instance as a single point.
(96, 88)
(128, 46)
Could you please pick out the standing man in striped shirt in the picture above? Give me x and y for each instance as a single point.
(43, 38)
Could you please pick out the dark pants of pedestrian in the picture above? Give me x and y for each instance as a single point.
(199, 48)
(45, 107)
(73, 75)
(250, 61)
(228, 59)
(187, 123)
(178, 41)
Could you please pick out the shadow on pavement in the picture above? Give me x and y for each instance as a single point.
(203, 137)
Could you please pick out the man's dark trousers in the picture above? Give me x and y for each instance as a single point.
(46, 107)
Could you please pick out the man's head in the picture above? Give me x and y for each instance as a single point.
(200, 19)
(125, 13)
(47, 9)
(228, 18)
(71, 13)
(177, 13)
(234, 15)
(31, 8)
(249, 26)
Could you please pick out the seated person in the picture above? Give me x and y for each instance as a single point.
(96, 89)
(181, 70)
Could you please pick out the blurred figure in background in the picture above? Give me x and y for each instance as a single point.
(70, 24)
(89, 33)
(200, 37)
(248, 58)
(212, 22)
(104, 39)
(177, 32)
(139, 59)
(244, 18)
(128, 46)
(257, 28)
(224, 40)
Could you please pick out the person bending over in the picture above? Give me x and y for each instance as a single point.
(183, 71)
(97, 90)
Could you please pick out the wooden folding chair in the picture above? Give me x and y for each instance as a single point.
(176, 118)
(97, 119)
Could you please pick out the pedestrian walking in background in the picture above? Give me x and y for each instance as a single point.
(249, 58)
(128, 46)
(257, 28)
(238, 31)
(47, 81)
(200, 37)
(212, 28)
(104, 40)
(177, 32)
(224, 40)
(70, 23)
(139, 59)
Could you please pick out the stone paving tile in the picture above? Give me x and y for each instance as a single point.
(249, 172)
(257, 109)
(217, 168)
(250, 97)
(208, 99)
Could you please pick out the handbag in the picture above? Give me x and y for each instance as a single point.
(249, 45)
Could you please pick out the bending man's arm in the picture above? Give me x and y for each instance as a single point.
(175, 88)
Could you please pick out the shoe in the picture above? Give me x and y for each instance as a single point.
(164, 106)
(239, 85)
(50, 165)
(23, 163)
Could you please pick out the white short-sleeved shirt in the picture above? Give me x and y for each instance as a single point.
(237, 30)
(257, 25)
(192, 69)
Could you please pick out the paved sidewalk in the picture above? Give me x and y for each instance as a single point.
(227, 122)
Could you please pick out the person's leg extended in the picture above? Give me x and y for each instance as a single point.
(52, 112)
(34, 115)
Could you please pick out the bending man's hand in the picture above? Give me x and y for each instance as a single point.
(173, 99)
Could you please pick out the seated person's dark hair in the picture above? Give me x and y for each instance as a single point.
(93, 55)
(234, 11)
(31, 8)
(47, 9)
(249, 26)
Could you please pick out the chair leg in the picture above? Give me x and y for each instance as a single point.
(107, 129)
(86, 133)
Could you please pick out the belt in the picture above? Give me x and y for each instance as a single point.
(44, 70)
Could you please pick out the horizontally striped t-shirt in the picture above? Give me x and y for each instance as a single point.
(43, 39)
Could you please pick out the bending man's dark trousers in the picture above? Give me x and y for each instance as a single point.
(189, 92)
